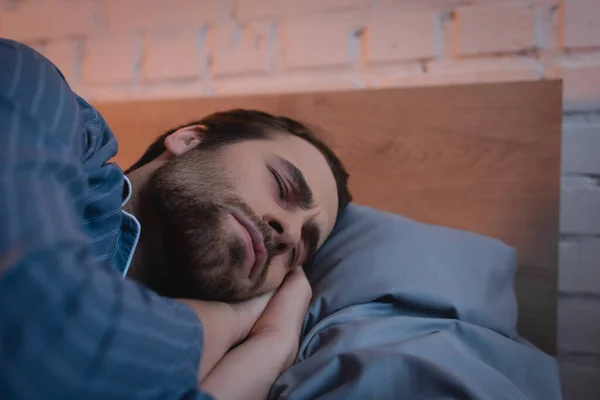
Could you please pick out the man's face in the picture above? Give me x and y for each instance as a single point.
(237, 218)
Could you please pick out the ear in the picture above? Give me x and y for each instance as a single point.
(183, 140)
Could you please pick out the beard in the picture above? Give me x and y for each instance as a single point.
(192, 255)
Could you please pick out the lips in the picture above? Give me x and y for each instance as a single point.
(256, 245)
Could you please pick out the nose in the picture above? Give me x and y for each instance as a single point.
(287, 229)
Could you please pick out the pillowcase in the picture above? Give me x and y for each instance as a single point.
(427, 270)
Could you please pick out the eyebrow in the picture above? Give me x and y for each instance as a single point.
(305, 193)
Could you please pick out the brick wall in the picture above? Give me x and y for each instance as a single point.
(123, 49)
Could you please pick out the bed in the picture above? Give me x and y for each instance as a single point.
(480, 158)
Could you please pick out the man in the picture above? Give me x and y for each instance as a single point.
(238, 200)
(227, 209)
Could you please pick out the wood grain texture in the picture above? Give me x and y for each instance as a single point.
(483, 158)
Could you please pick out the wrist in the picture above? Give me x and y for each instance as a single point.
(282, 343)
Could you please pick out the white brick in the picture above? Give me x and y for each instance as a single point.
(581, 86)
(582, 23)
(549, 26)
(48, 20)
(223, 36)
(578, 325)
(292, 82)
(495, 28)
(63, 53)
(109, 60)
(581, 149)
(173, 54)
(171, 90)
(580, 206)
(580, 382)
(424, 5)
(140, 15)
(579, 266)
(452, 73)
(392, 75)
(96, 93)
(582, 120)
(250, 9)
(487, 70)
(318, 41)
(394, 35)
(249, 50)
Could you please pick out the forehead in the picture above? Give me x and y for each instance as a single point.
(315, 169)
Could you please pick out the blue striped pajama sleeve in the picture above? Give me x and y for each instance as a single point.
(71, 328)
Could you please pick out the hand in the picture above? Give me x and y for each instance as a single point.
(224, 326)
(282, 319)
(270, 348)
(247, 313)
(238, 317)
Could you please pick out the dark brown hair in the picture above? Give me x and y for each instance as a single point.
(238, 125)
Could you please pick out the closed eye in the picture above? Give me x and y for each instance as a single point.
(280, 184)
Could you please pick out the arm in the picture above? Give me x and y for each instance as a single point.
(249, 371)
(70, 327)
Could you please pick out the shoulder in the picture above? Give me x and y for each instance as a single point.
(19, 55)
(21, 66)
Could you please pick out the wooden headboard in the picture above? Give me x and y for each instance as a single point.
(483, 158)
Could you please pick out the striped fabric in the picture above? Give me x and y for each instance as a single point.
(70, 326)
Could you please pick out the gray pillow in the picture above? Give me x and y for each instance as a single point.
(404, 310)
(427, 270)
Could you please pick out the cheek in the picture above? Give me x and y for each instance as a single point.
(256, 189)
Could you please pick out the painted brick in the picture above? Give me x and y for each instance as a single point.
(95, 93)
(394, 35)
(425, 5)
(173, 54)
(171, 90)
(580, 382)
(581, 86)
(487, 70)
(109, 60)
(250, 9)
(319, 41)
(452, 73)
(581, 149)
(582, 23)
(392, 75)
(579, 270)
(140, 15)
(248, 51)
(495, 28)
(578, 325)
(48, 20)
(580, 206)
(549, 26)
(223, 36)
(63, 53)
(292, 82)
